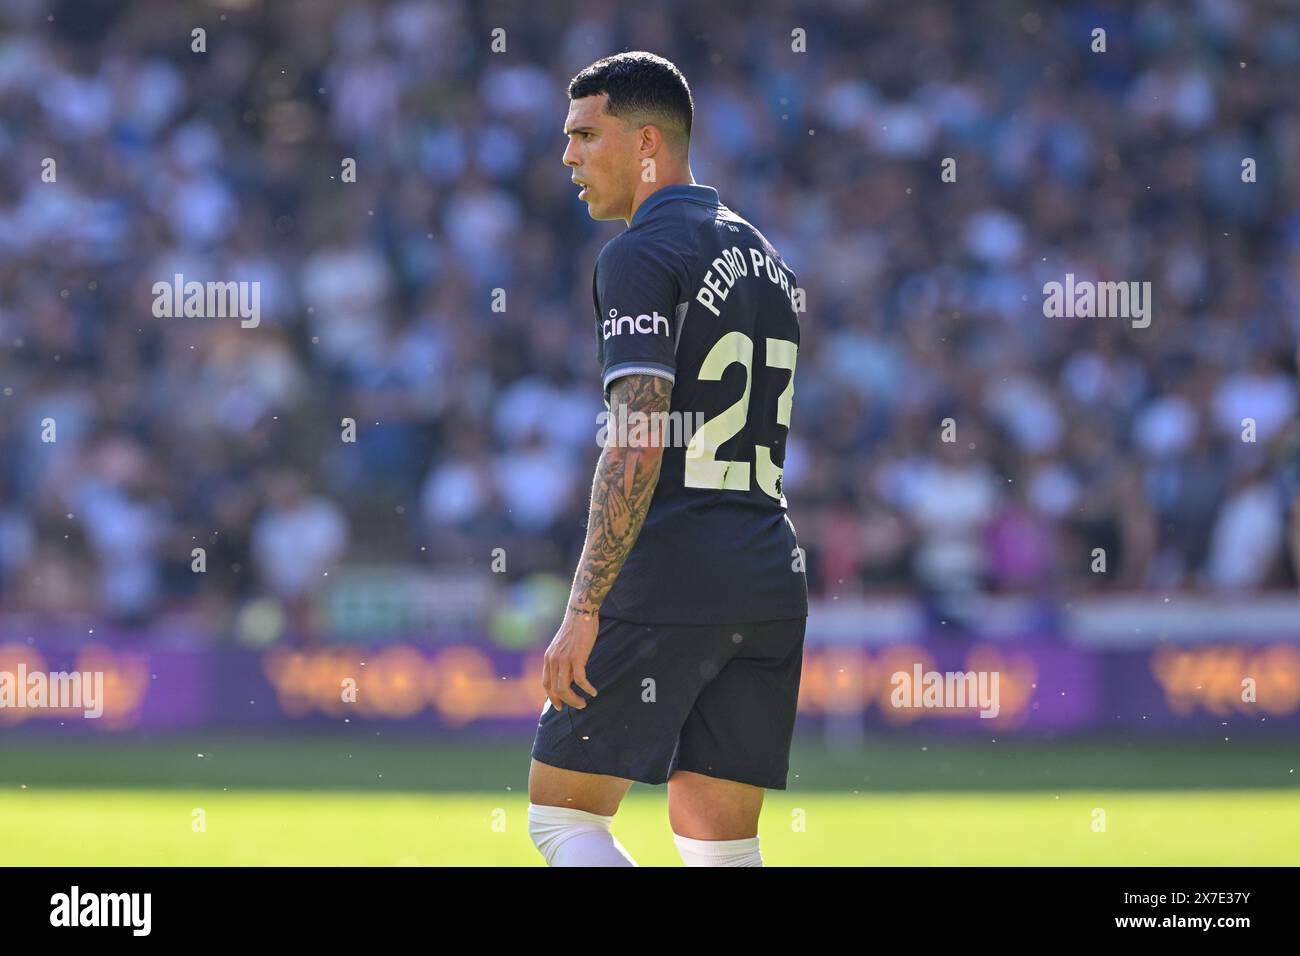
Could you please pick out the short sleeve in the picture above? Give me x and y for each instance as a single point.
(636, 293)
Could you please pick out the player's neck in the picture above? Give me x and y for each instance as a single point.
(684, 178)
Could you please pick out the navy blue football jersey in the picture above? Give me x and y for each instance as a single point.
(694, 294)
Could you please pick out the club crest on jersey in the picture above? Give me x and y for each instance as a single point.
(626, 325)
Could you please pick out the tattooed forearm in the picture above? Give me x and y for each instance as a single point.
(620, 494)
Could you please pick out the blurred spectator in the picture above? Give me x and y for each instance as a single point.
(442, 300)
(296, 540)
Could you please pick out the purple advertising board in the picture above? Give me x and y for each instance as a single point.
(997, 688)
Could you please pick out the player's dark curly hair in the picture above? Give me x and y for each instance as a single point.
(642, 88)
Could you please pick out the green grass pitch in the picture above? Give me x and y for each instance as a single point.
(359, 801)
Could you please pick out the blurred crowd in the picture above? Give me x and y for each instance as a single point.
(129, 441)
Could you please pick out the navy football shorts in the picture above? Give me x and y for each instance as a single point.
(717, 700)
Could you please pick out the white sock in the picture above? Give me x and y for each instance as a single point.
(718, 852)
(569, 837)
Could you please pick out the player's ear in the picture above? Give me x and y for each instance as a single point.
(652, 139)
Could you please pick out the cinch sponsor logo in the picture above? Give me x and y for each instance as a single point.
(58, 689)
(102, 909)
(626, 325)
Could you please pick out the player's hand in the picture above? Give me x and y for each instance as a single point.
(566, 660)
